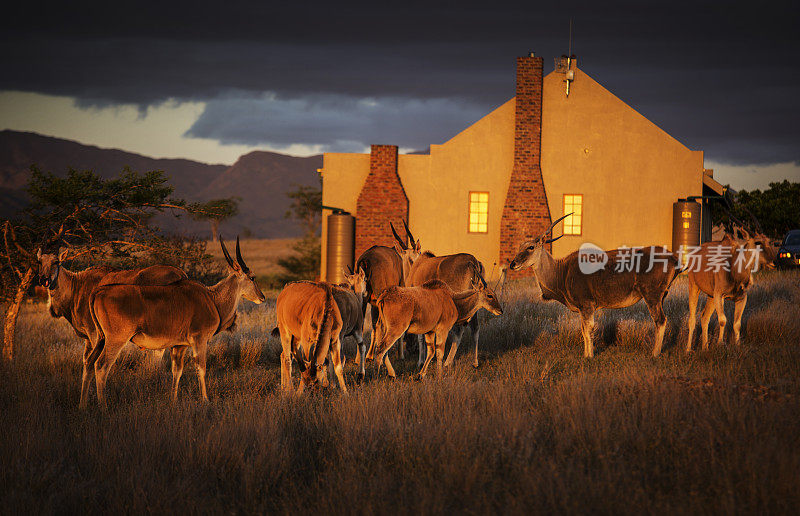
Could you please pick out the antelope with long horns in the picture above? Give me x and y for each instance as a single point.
(177, 316)
(309, 325)
(431, 310)
(460, 272)
(384, 267)
(724, 270)
(349, 296)
(610, 287)
(68, 296)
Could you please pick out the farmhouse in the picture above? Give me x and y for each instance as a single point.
(563, 144)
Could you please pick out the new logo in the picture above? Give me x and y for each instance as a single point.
(591, 258)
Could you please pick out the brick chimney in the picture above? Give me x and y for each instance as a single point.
(382, 200)
(525, 213)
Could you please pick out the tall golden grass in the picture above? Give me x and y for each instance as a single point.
(536, 429)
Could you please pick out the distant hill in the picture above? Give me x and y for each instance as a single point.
(260, 179)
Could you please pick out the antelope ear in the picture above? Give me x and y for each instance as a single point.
(398, 248)
(39, 254)
(417, 246)
(362, 272)
(62, 254)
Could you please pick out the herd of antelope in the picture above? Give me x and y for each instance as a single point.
(409, 292)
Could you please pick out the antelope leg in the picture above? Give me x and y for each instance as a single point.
(362, 351)
(657, 313)
(694, 296)
(737, 317)
(705, 318)
(455, 334)
(176, 355)
(430, 339)
(103, 365)
(441, 339)
(475, 329)
(719, 303)
(587, 326)
(88, 368)
(336, 358)
(422, 350)
(287, 346)
(374, 334)
(200, 349)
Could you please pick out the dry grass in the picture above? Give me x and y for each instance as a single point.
(536, 429)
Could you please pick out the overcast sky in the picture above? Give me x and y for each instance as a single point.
(211, 80)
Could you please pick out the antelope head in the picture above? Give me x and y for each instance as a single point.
(313, 375)
(49, 267)
(759, 245)
(408, 253)
(246, 279)
(530, 252)
(357, 281)
(487, 298)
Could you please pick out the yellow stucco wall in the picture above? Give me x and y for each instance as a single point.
(438, 185)
(628, 170)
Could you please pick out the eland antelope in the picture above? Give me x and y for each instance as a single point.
(385, 267)
(309, 325)
(431, 310)
(563, 281)
(460, 272)
(349, 299)
(68, 296)
(724, 270)
(175, 316)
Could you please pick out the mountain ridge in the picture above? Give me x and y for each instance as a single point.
(260, 179)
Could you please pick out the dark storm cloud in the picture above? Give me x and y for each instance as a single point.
(334, 122)
(718, 77)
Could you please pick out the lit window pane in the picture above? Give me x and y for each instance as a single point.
(478, 212)
(573, 204)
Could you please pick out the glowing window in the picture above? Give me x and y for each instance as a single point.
(573, 203)
(478, 212)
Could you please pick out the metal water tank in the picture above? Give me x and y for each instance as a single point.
(340, 250)
(686, 222)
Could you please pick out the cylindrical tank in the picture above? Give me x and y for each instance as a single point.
(340, 250)
(686, 224)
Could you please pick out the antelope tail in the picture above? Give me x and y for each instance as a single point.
(677, 271)
(323, 337)
(275, 332)
(101, 338)
(382, 323)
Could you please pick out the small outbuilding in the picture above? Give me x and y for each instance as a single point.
(563, 144)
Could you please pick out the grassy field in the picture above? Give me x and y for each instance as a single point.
(535, 429)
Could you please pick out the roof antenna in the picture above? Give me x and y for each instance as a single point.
(569, 73)
(570, 38)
